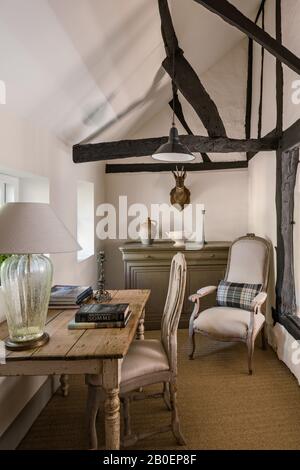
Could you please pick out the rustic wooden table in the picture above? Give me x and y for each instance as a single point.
(90, 352)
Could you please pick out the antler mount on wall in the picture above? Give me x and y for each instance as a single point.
(180, 195)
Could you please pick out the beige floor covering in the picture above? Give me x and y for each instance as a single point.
(221, 407)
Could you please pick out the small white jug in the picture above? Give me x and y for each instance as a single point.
(147, 231)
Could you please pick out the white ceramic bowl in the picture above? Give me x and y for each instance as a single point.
(178, 237)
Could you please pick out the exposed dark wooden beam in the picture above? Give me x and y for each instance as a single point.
(292, 324)
(279, 238)
(176, 106)
(194, 92)
(278, 197)
(234, 17)
(186, 78)
(145, 147)
(287, 296)
(291, 136)
(261, 91)
(279, 73)
(205, 157)
(158, 167)
(167, 29)
(271, 135)
(261, 7)
(249, 90)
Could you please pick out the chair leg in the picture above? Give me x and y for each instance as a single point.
(93, 402)
(128, 439)
(127, 419)
(102, 397)
(263, 338)
(192, 345)
(250, 346)
(166, 395)
(175, 420)
(64, 385)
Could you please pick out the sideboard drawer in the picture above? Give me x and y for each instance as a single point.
(149, 268)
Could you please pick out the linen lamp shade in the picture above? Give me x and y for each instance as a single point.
(27, 228)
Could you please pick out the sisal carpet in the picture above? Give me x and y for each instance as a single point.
(220, 406)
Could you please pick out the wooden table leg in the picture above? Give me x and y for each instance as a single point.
(111, 381)
(64, 384)
(140, 332)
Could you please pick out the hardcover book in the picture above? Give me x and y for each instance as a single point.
(73, 325)
(69, 295)
(102, 313)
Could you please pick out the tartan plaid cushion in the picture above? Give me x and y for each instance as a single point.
(232, 294)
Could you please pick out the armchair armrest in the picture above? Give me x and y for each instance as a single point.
(202, 293)
(196, 299)
(258, 301)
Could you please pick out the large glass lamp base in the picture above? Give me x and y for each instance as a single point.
(26, 283)
(24, 345)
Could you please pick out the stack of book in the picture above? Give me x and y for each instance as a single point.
(69, 296)
(101, 316)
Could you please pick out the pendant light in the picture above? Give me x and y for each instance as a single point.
(173, 150)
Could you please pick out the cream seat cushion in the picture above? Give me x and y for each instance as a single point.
(144, 357)
(227, 322)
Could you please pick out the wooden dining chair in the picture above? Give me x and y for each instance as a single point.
(239, 315)
(152, 361)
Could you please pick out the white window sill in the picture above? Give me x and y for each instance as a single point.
(83, 256)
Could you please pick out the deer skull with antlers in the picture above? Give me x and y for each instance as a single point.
(180, 195)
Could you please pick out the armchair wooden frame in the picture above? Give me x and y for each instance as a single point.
(258, 305)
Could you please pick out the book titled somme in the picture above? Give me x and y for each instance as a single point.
(101, 316)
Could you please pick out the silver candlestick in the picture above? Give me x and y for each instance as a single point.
(101, 295)
(203, 228)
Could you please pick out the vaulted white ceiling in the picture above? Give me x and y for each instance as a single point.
(77, 66)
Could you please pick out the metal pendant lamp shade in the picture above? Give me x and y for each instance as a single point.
(173, 150)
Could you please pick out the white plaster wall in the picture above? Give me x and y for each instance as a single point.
(33, 189)
(262, 168)
(224, 193)
(29, 150)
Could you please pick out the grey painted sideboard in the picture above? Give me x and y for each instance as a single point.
(148, 267)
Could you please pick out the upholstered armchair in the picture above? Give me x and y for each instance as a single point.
(248, 264)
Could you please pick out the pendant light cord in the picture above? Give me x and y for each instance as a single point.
(174, 87)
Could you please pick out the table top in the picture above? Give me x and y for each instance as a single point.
(65, 344)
